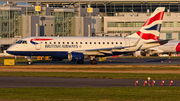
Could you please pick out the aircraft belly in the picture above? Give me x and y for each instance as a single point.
(168, 49)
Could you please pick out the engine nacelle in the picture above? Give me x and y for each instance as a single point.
(139, 53)
(74, 56)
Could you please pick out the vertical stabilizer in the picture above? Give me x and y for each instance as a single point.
(151, 28)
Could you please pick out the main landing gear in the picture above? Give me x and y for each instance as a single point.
(80, 62)
(93, 61)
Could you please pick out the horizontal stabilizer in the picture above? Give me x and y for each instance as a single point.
(160, 41)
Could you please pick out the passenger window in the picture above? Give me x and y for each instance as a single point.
(63, 42)
(80, 42)
(58, 42)
(99, 42)
(107, 42)
(85, 42)
(120, 42)
(116, 42)
(71, 42)
(45, 42)
(112, 42)
(49, 42)
(67, 42)
(103, 42)
(54, 42)
(90, 43)
(94, 42)
(76, 42)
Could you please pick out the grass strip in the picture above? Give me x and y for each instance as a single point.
(92, 94)
(94, 75)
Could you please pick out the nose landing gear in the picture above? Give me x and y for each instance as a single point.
(29, 60)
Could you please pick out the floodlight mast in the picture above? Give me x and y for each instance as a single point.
(79, 9)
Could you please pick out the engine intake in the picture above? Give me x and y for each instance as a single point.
(139, 53)
(74, 56)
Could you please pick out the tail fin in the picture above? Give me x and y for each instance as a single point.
(152, 26)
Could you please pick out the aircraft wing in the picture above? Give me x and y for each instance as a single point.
(106, 49)
(100, 51)
(103, 51)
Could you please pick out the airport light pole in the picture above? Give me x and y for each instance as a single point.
(80, 31)
(27, 27)
(79, 9)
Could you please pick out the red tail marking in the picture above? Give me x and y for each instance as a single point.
(158, 16)
(147, 36)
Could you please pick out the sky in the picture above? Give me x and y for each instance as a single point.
(18, 3)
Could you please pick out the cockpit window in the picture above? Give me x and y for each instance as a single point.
(21, 42)
(24, 42)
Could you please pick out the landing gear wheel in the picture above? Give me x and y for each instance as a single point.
(29, 62)
(93, 61)
(80, 62)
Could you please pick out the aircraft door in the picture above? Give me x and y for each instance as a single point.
(127, 42)
(37, 43)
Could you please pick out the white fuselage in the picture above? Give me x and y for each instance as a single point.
(72, 43)
(48, 46)
(170, 47)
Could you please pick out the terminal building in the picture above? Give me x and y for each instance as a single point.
(83, 18)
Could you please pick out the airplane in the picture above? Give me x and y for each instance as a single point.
(168, 48)
(79, 48)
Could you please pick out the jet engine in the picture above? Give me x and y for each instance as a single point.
(140, 53)
(75, 56)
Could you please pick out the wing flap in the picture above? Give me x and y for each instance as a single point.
(108, 52)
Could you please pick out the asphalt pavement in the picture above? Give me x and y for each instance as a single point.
(118, 61)
(19, 82)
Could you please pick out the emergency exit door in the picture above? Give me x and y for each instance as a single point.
(127, 42)
(37, 43)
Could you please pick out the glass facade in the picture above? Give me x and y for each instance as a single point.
(64, 23)
(140, 24)
(109, 8)
(10, 23)
(125, 24)
(168, 35)
(178, 36)
(121, 31)
(31, 13)
(4, 47)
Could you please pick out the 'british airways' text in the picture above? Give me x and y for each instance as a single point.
(61, 46)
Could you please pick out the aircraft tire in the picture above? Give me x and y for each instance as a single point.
(80, 62)
(29, 62)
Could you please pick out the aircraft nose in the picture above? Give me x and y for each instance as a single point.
(10, 50)
(178, 47)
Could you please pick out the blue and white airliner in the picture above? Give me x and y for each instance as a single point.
(79, 48)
